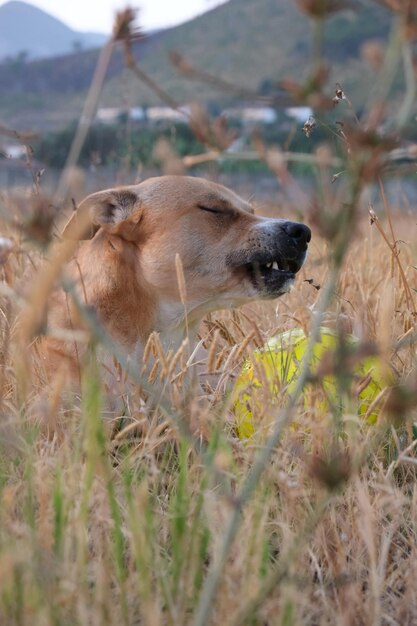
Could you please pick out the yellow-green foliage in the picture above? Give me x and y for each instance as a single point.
(274, 369)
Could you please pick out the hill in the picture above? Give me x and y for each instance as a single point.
(251, 42)
(29, 31)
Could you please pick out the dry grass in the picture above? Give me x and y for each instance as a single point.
(165, 516)
(102, 530)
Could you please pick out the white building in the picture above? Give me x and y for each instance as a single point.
(108, 115)
(159, 114)
(300, 114)
(252, 115)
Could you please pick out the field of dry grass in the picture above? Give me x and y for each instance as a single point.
(165, 516)
(101, 527)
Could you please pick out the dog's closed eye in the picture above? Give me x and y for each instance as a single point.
(217, 210)
(210, 209)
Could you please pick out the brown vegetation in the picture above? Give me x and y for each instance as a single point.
(165, 516)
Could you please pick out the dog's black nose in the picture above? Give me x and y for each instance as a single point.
(300, 233)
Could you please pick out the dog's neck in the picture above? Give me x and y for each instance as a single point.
(114, 291)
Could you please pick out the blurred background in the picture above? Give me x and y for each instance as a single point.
(214, 78)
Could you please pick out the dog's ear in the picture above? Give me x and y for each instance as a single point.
(118, 210)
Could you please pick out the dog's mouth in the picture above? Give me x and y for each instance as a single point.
(273, 276)
(275, 267)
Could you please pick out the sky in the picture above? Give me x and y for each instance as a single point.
(97, 15)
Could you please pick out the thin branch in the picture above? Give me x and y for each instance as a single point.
(395, 254)
(199, 75)
(86, 118)
(406, 108)
(24, 137)
(208, 593)
(390, 67)
(253, 155)
(153, 86)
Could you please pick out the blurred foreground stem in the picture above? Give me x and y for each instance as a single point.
(86, 118)
(406, 108)
(341, 245)
(389, 69)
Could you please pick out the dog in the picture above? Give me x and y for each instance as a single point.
(159, 255)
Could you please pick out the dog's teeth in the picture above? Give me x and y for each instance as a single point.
(269, 266)
(275, 265)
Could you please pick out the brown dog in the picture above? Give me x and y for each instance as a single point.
(127, 270)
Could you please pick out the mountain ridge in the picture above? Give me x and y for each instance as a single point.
(248, 42)
(31, 31)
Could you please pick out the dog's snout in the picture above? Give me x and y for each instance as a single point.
(300, 233)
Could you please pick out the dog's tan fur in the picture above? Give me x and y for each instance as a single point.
(127, 269)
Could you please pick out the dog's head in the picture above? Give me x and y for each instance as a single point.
(228, 255)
